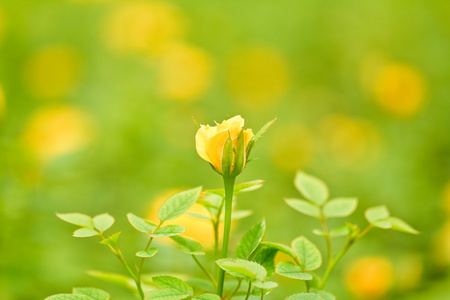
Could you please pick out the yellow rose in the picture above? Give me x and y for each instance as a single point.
(225, 146)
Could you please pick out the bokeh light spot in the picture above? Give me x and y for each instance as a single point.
(56, 131)
(143, 27)
(369, 277)
(400, 89)
(292, 147)
(184, 72)
(352, 143)
(258, 76)
(52, 72)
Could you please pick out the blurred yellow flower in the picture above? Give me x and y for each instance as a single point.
(142, 27)
(400, 89)
(55, 131)
(2, 102)
(258, 76)
(292, 147)
(352, 143)
(369, 277)
(441, 245)
(198, 229)
(184, 72)
(210, 140)
(52, 72)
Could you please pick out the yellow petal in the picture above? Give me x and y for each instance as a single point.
(234, 125)
(248, 135)
(214, 149)
(204, 133)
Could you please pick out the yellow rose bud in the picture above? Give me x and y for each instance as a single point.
(224, 146)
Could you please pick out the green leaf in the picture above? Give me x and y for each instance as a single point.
(267, 285)
(314, 189)
(169, 230)
(323, 294)
(238, 214)
(376, 213)
(304, 207)
(85, 232)
(250, 240)
(140, 224)
(111, 240)
(340, 207)
(199, 216)
(166, 294)
(266, 258)
(307, 253)
(114, 278)
(150, 252)
(67, 297)
(188, 246)
(400, 225)
(239, 188)
(282, 248)
(92, 293)
(178, 204)
(304, 296)
(288, 269)
(335, 232)
(103, 222)
(207, 297)
(384, 224)
(248, 270)
(170, 282)
(77, 219)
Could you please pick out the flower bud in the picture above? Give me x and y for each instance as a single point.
(225, 146)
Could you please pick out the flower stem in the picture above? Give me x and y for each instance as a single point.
(228, 182)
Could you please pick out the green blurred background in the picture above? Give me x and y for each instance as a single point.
(96, 107)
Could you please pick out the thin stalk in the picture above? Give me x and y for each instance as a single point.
(235, 290)
(347, 246)
(297, 261)
(116, 251)
(205, 271)
(141, 263)
(262, 294)
(249, 290)
(328, 241)
(229, 189)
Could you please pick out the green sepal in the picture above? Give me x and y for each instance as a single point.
(258, 135)
(227, 156)
(240, 155)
